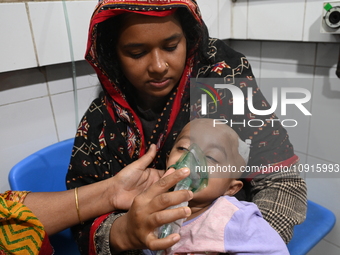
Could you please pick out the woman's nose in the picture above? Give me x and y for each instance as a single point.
(157, 63)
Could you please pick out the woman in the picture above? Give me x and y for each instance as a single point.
(145, 53)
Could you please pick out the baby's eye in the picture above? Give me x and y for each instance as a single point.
(211, 159)
(180, 148)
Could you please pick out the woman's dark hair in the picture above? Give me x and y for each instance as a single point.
(196, 34)
(107, 37)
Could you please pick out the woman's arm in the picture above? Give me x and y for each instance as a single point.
(272, 191)
(57, 210)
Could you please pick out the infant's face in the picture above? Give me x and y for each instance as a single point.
(220, 146)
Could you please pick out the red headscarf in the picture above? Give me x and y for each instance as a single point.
(107, 9)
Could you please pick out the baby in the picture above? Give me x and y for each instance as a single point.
(219, 223)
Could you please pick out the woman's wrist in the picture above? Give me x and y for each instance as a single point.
(94, 200)
(108, 196)
(102, 233)
(119, 240)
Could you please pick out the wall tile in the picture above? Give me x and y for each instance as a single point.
(86, 76)
(79, 14)
(329, 187)
(224, 19)
(63, 109)
(256, 68)
(275, 19)
(281, 70)
(325, 247)
(239, 19)
(312, 23)
(17, 50)
(323, 142)
(251, 49)
(26, 127)
(21, 85)
(289, 76)
(209, 9)
(60, 77)
(327, 54)
(50, 33)
(289, 52)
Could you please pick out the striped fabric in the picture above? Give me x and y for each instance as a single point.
(20, 230)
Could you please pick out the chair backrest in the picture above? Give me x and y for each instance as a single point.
(45, 171)
(319, 222)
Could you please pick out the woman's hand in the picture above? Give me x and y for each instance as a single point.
(132, 180)
(136, 229)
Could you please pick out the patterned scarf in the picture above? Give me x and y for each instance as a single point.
(21, 231)
(111, 132)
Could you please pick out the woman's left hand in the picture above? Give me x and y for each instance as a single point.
(132, 180)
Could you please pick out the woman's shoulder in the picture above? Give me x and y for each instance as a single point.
(221, 61)
(96, 111)
(223, 49)
(95, 118)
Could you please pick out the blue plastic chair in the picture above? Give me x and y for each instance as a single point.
(319, 222)
(45, 170)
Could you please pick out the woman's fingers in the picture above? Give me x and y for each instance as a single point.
(166, 200)
(143, 162)
(167, 182)
(170, 215)
(157, 195)
(155, 244)
(169, 171)
(163, 217)
(157, 198)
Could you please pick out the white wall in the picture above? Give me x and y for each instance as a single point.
(37, 105)
(38, 34)
(292, 20)
(37, 109)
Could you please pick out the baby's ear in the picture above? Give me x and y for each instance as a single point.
(235, 186)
